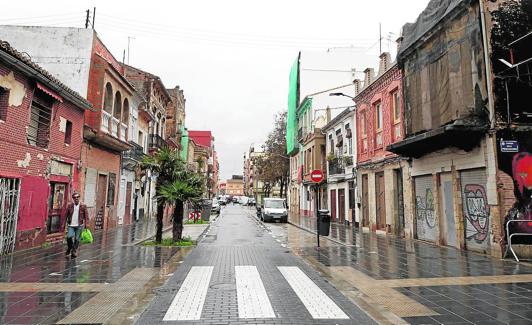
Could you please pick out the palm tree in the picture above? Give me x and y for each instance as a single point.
(186, 187)
(176, 184)
(163, 164)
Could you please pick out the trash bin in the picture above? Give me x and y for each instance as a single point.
(206, 207)
(324, 222)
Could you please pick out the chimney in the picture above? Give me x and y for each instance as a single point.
(399, 40)
(368, 76)
(384, 63)
(328, 115)
(356, 82)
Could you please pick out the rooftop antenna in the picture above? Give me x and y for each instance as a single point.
(380, 39)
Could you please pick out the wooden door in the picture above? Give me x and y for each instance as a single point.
(341, 205)
(333, 205)
(101, 195)
(365, 201)
(399, 203)
(381, 201)
(127, 213)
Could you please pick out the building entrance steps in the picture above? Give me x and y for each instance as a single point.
(414, 281)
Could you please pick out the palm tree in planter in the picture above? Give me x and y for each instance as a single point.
(164, 164)
(187, 186)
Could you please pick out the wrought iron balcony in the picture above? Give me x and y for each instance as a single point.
(336, 166)
(156, 141)
(135, 153)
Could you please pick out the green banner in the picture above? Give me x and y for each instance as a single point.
(291, 119)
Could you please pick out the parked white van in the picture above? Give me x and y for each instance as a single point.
(274, 209)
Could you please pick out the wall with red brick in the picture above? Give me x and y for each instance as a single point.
(31, 164)
(381, 91)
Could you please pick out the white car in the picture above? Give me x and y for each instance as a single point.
(274, 209)
(215, 208)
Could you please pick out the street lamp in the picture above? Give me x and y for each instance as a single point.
(341, 94)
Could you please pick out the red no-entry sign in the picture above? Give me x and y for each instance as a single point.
(316, 176)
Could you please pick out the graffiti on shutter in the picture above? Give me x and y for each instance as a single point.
(476, 208)
(425, 212)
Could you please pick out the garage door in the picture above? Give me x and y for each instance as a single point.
(425, 213)
(476, 208)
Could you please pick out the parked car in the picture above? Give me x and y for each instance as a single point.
(274, 209)
(215, 208)
(251, 201)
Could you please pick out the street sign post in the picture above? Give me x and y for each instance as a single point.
(316, 176)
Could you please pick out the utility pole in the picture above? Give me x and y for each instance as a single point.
(93, 16)
(87, 19)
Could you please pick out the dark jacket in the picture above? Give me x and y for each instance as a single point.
(83, 214)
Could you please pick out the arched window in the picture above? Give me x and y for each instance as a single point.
(118, 105)
(108, 99)
(125, 111)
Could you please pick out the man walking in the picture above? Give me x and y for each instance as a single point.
(76, 217)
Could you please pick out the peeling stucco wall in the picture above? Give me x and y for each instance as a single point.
(24, 163)
(17, 91)
(64, 52)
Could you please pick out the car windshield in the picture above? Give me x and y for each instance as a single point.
(277, 204)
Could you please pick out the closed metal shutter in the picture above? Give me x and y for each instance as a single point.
(89, 197)
(475, 207)
(425, 210)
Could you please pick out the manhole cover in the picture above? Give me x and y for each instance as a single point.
(223, 286)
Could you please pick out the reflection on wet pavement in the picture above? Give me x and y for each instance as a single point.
(415, 280)
(106, 260)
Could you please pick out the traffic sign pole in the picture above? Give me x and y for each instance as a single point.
(316, 176)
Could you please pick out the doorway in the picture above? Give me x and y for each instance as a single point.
(365, 201)
(399, 203)
(341, 205)
(333, 205)
(381, 201)
(446, 196)
(56, 203)
(9, 206)
(127, 213)
(101, 196)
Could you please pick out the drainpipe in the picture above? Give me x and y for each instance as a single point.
(487, 63)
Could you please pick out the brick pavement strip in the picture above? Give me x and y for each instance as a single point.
(236, 240)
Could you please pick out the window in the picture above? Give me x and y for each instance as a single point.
(40, 117)
(68, 132)
(396, 106)
(4, 103)
(363, 123)
(331, 143)
(111, 189)
(117, 110)
(108, 99)
(378, 116)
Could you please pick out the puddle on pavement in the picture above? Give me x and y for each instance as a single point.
(131, 312)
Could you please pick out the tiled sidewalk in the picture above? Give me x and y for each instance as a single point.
(42, 286)
(424, 283)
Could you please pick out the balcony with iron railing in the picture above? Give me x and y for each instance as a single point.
(336, 166)
(135, 153)
(155, 142)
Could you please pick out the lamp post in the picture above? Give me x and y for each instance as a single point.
(341, 94)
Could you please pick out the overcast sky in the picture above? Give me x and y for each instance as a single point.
(232, 58)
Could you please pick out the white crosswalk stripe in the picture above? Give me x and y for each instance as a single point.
(319, 305)
(253, 301)
(188, 303)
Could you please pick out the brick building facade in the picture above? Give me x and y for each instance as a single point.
(41, 128)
